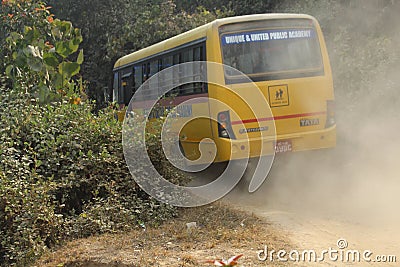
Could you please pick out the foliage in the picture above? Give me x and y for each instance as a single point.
(62, 172)
(112, 29)
(237, 8)
(39, 50)
(116, 28)
(63, 175)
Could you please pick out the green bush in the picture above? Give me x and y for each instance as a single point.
(62, 169)
(63, 175)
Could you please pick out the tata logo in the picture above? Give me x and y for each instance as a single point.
(309, 122)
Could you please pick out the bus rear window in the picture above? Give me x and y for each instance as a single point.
(276, 53)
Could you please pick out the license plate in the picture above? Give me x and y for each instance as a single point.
(283, 146)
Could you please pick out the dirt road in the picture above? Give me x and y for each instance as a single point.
(325, 197)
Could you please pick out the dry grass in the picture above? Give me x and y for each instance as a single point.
(220, 233)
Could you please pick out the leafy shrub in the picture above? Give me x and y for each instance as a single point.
(62, 170)
(63, 175)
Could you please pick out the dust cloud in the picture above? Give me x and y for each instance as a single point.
(351, 191)
(358, 181)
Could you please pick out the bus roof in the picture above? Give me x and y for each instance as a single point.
(198, 33)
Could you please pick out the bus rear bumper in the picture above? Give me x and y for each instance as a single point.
(286, 143)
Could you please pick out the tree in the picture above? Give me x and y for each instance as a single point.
(112, 29)
(40, 53)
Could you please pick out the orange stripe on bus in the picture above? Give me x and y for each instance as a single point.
(291, 116)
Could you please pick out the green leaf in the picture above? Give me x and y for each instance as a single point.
(13, 38)
(73, 46)
(58, 81)
(43, 94)
(20, 61)
(35, 64)
(80, 57)
(50, 60)
(31, 34)
(63, 49)
(41, 44)
(69, 69)
(55, 31)
(10, 71)
(78, 37)
(65, 28)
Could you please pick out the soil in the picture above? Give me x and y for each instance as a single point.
(219, 233)
(321, 198)
(310, 201)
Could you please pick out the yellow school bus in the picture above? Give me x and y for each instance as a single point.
(284, 55)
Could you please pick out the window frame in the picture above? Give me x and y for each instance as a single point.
(176, 55)
(272, 25)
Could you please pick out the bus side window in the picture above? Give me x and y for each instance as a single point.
(204, 71)
(126, 91)
(153, 83)
(121, 90)
(198, 86)
(153, 67)
(137, 69)
(166, 77)
(167, 62)
(115, 87)
(144, 73)
(175, 61)
(187, 72)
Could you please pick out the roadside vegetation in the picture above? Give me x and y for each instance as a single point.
(197, 237)
(62, 171)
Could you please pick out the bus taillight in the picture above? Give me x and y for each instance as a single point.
(224, 125)
(330, 113)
